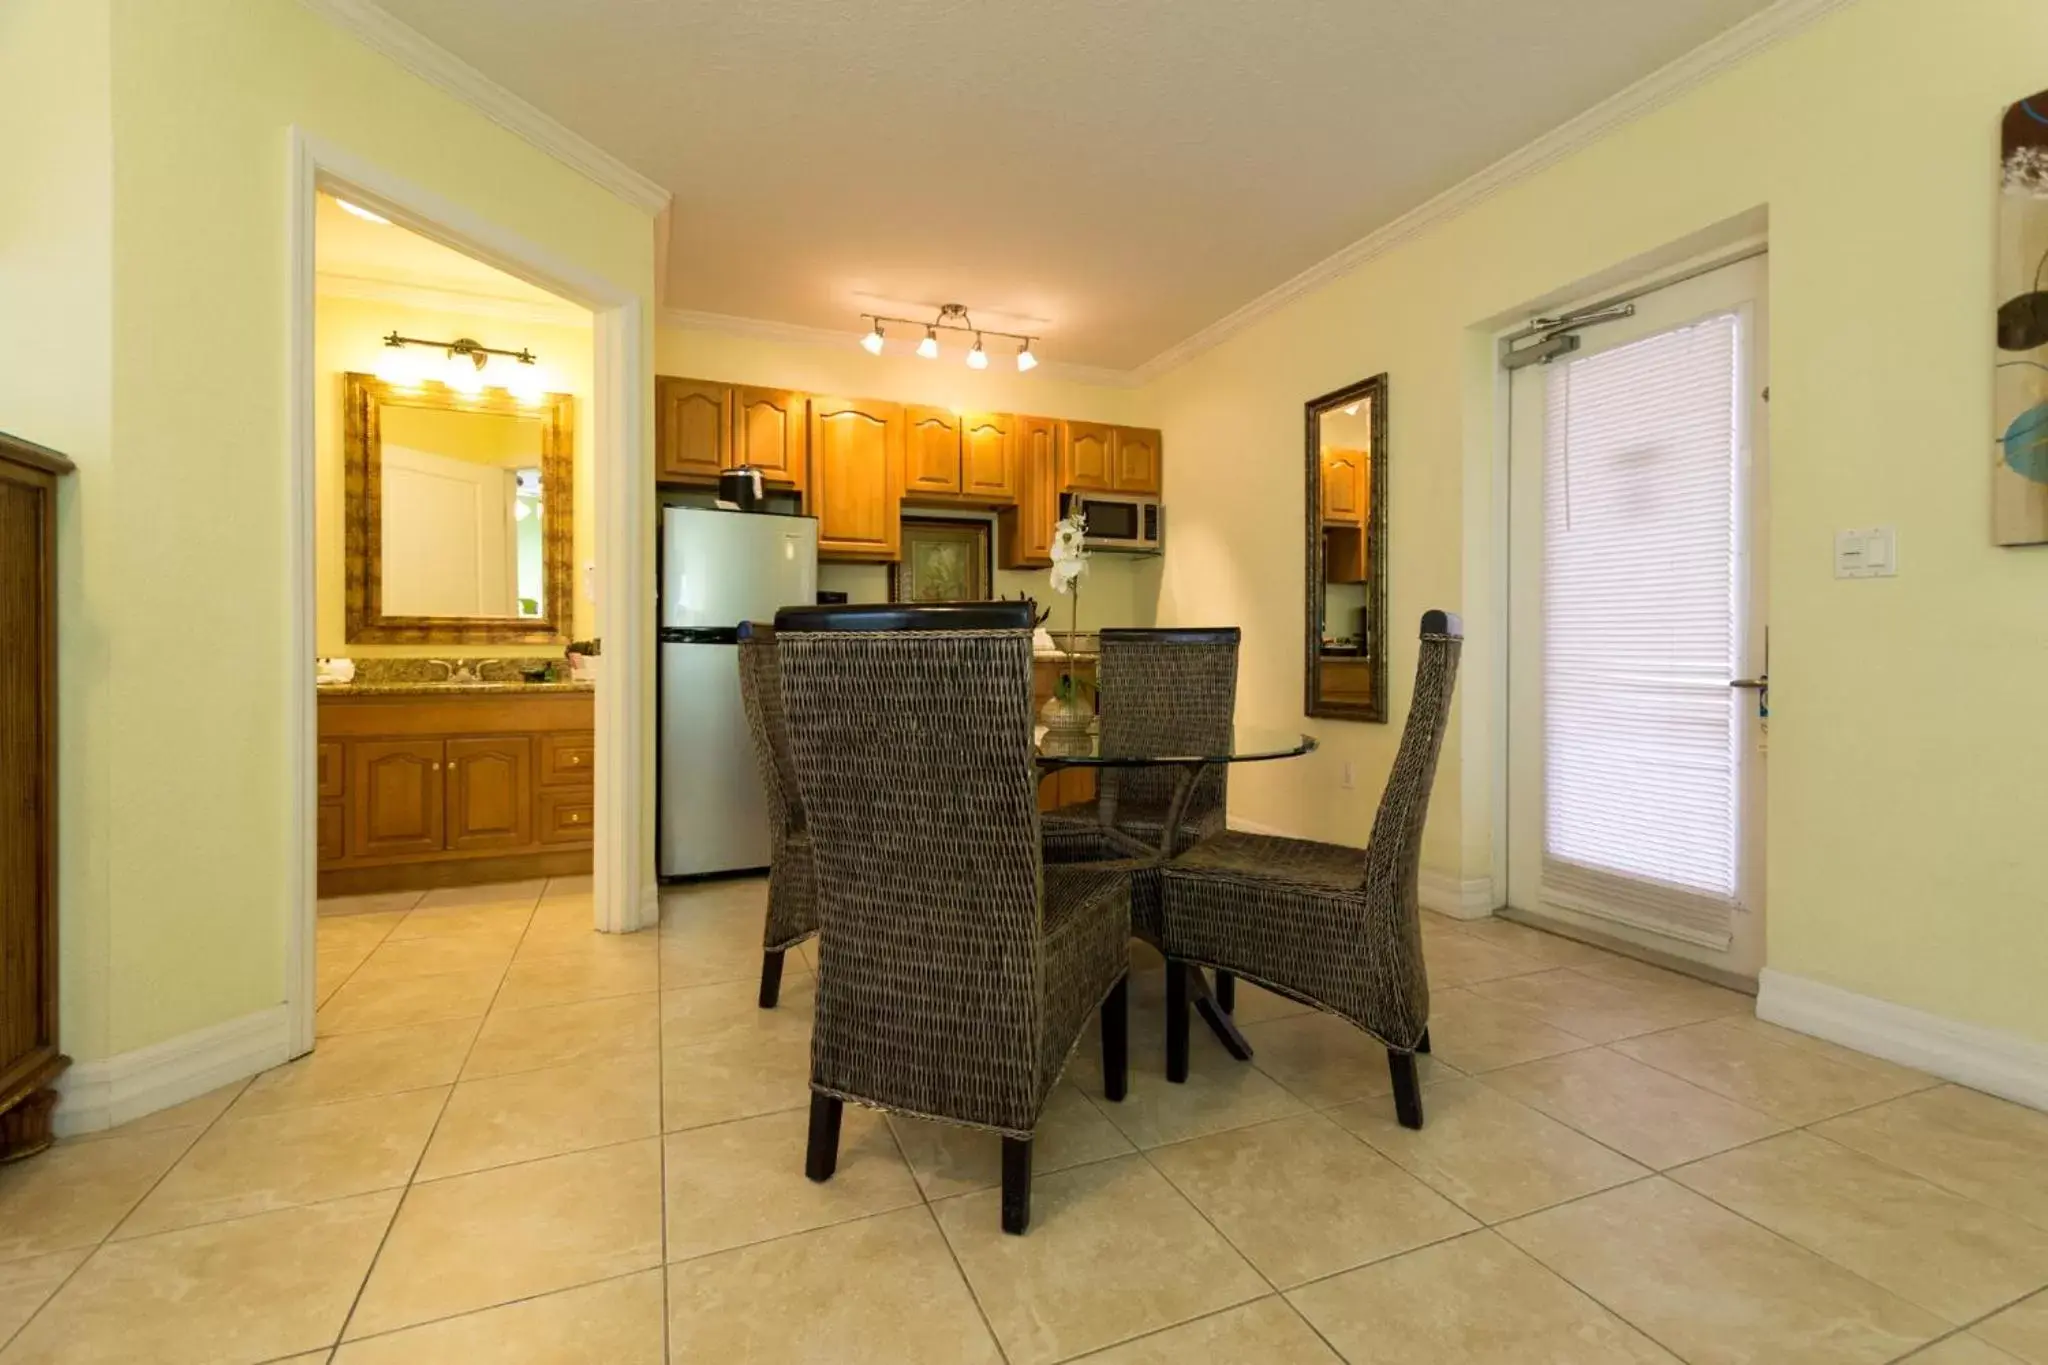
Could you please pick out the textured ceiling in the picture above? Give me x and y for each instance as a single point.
(1126, 172)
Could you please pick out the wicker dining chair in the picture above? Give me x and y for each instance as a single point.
(955, 970)
(792, 876)
(1333, 927)
(1160, 689)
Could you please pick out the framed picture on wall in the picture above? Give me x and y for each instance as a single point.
(944, 560)
(2019, 470)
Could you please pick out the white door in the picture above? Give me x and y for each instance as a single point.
(1638, 525)
(449, 548)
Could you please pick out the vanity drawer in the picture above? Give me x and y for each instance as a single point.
(567, 758)
(567, 817)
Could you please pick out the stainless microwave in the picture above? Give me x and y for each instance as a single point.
(1120, 522)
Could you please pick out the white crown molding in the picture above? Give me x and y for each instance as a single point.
(1984, 1059)
(126, 1086)
(791, 333)
(1660, 87)
(437, 66)
(329, 284)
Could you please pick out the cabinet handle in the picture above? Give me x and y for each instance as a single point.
(437, 767)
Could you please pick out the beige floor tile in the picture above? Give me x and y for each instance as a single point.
(355, 1065)
(1219, 1093)
(615, 1322)
(734, 1077)
(708, 1014)
(374, 903)
(1461, 959)
(330, 976)
(557, 939)
(27, 1285)
(1639, 1111)
(1820, 1047)
(233, 1293)
(367, 1006)
(1948, 1254)
(948, 1159)
(438, 956)
(1114, 1252)
(1473, 1301)
(193, 1113)
(1960, 1349)
(558, 1035)
(1473, 1033)
(352, 939)
(475, 1241)
(1268, 1332)
(2021, 1330)
(301, 1156)
(1602, 1009)
(1255, 1005)
(1494, 1157)
(1714, 1287)
(877, 1291)
(475, 921)
(532, 1114)
(1301, 1198)
(585, 974)
(526, 893)
(564, 925)
(732, 1184)
(1985, 1148)
(707, 954)
(569, 888)
(1325, 1061)
(1551, 950)
(1797, 1086)
(77, 1192)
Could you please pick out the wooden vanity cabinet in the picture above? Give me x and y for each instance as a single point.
(857, 478)
(444, 790)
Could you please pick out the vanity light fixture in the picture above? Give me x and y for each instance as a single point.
(466, 359)
(359, 211)
(952, 318)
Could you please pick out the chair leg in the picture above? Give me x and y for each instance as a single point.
(1116, 1048)
(1016, 1185)
(1423, 1046)
(771, 978)
(1226, 992)
(1176, 1021)
(1407, 1088)
(821, 1158)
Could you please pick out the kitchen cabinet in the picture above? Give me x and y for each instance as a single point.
(1088, 459)
(931, 460)
(1024, 529)
(1344, 488)
(770, 432)
(969, 459)
(693, 430)
(988, 457)
(857, 478)
(440, 789)
(1134, 460)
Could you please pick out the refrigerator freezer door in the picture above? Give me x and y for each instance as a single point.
(721, 568)
(714, 816)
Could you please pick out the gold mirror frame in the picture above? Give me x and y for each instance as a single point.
(1374, 708)
(363, 395)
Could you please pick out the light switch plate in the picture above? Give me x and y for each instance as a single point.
(1868, 552)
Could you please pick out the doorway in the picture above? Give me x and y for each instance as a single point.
(1638, 702)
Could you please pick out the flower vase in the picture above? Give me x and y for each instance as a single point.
(1067, 720)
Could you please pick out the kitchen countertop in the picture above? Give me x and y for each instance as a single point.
(442, 689)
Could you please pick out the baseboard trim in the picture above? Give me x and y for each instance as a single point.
(126, 1086)
(1984, 1059)
(1444, 892)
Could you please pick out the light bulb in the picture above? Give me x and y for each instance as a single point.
(929, 347)
(359, 211)
(872, 342)
(977, 359)
(462, 375)
(527, 383)
(1026, 360)
(396, 367)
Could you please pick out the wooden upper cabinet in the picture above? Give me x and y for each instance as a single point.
(769, 431)
(490, 792)
(1088, 463)
(396, 800)
(1134, 460)
(857, 477)
(988, 456)
(694, 426)
(931, 461)
(1344, 479)
(1024, 531)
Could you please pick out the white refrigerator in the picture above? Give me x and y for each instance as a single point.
(718, 568)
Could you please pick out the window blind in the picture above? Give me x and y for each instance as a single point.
(1641, 631)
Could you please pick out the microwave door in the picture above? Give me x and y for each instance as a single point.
(1112, 520)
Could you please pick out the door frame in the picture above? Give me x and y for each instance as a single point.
(624, 888)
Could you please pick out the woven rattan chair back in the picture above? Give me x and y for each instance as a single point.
(792, 889)
(1167, 689)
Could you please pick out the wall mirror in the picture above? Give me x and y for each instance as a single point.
(1347, 553)
(458, 515)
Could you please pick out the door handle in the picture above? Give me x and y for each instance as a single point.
(1752, 684)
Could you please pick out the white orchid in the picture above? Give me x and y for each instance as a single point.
(1069, 552)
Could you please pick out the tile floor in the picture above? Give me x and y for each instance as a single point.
(521, 1142)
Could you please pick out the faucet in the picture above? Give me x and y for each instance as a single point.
(463, 671)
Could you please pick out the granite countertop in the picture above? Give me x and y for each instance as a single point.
(442, 689)
(427, 678)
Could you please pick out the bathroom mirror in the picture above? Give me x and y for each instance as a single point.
(1347, 553)
(458, 515)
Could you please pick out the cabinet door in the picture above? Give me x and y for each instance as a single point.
(1343, 487)
(333, 829)
(1088, 457)
(333, 775)
(490, 793)
(1025, 531)
(1134, 460)
(768, 432)
(857, 477)
(395, 802)
(693, 438)
(931, 461)
(988, 456)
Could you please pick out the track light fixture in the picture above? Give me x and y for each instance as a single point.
(952, 318)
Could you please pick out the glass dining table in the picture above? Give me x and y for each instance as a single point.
(1247, 744)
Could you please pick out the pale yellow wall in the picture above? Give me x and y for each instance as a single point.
(1906, 860)
(1119, 590)
(348, 335)
(190, 626)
